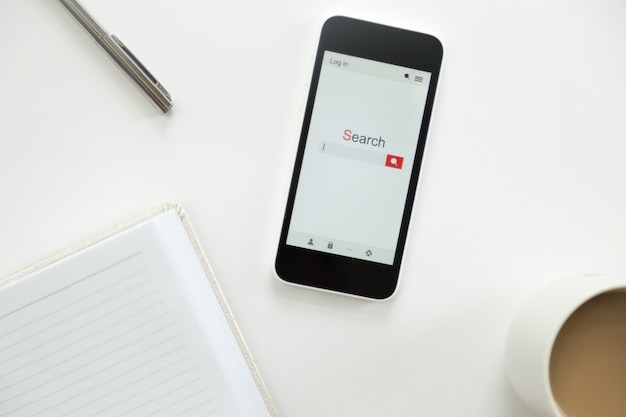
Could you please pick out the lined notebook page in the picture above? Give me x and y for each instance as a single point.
(116, 330)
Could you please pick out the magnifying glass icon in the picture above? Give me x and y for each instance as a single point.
(394, 161)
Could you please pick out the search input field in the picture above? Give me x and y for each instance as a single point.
(363, 155)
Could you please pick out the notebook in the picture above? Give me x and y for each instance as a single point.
(130, 323)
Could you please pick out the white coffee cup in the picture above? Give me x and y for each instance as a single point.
(534, 329)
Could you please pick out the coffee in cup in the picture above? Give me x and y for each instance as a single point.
(566, 348)
(588, 360)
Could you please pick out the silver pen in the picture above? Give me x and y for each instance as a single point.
(122, 56)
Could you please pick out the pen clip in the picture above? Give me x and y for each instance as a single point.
(139, 65)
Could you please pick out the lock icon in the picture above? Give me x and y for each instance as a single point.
(330, 245)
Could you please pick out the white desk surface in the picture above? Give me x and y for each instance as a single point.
(524, 176)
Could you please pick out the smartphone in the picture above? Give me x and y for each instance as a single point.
(358, 159)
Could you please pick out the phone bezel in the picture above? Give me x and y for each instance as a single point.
(329, 271)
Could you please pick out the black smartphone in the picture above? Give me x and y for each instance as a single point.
(359, 157)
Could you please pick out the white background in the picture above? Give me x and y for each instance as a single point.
(523, 180)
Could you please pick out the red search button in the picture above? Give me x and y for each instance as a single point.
(394, 161)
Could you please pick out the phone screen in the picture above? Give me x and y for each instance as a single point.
(358, 158)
